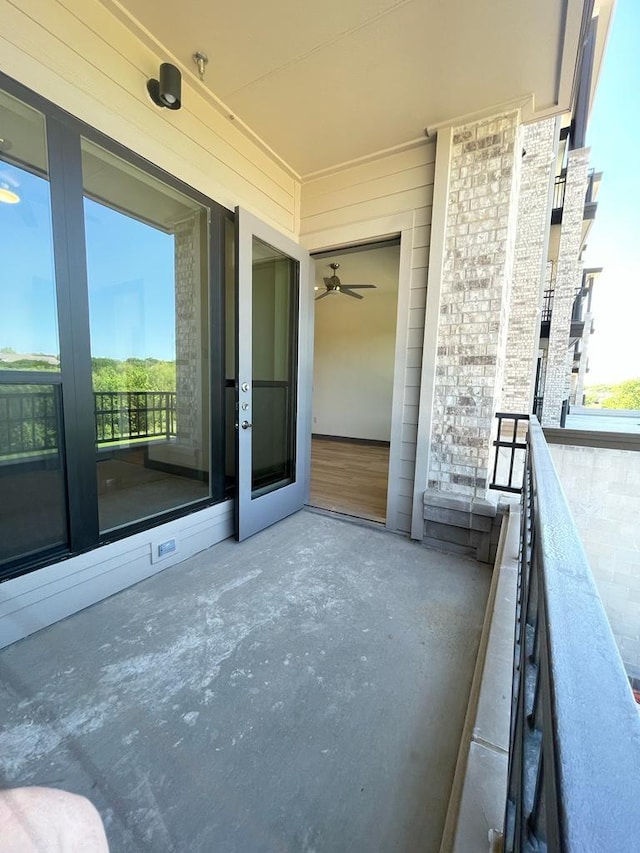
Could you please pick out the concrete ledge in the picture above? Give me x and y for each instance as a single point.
(478, 794)
(463, 525)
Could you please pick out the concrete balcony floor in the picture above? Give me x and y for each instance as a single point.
(302, 691)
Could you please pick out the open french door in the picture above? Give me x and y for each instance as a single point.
(273, 375)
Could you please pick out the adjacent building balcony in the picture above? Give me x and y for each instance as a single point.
(590, 200)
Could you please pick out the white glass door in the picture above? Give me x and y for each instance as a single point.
(273, 378)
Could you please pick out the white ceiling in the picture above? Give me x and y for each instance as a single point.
(326, 82)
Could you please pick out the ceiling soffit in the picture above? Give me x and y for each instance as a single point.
(325, 83)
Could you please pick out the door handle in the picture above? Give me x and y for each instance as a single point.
(246, 425)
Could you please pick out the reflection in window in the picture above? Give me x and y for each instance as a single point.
(32, 482)
(28, 321)
(147, 262)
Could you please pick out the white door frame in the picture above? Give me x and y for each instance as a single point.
(369, 231)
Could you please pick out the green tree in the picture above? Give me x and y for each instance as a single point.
(626, 395)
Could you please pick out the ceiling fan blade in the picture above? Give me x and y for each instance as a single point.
(348, 292)
(357, 286)
(322, 295)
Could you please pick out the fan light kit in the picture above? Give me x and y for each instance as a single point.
(334, 285)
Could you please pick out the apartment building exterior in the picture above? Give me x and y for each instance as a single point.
(100, 169)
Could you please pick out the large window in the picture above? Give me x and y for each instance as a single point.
(112, 329)
(32, 479)
(147, 267)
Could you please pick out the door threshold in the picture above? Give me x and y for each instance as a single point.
(345, 516)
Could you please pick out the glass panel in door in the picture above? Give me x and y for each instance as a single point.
(273, 383)
(274, 366)
(147, 267)
(33, 508)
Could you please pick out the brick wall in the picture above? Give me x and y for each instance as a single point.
(567, 281)
(538, 167)
(472, 328)
(188, 361)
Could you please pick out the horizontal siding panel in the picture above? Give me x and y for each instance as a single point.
(419, 257)
(415, 337)
(423, 215)
(418, 298)
(374, 209)
(418, 278)
(362, 173)
(410, 433)
(404, 505)
(86, 91)
(421, 236)
(416, 317)
(422, 176)
(412, 379)
(407, 468)
(414, 357)
(403, 522)
(106, 27)
(411, 396)
(408, 452)
(405, 487)
(410, 413)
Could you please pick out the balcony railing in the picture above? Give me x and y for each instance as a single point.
(29, 419)
(134, 414)
(574, 758)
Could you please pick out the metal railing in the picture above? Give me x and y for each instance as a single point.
(510, 446)
(547, 304)
(559, 188)
(123, 415)
(30, 419)
(574, 756)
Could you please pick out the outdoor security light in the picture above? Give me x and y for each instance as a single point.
(166, 92)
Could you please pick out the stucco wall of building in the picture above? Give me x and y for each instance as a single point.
(601, 486)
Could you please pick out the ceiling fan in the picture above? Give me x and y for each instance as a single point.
(334, 285)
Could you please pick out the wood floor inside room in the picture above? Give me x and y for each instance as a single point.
(350, 477)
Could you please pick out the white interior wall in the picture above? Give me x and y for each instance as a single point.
(354, 346)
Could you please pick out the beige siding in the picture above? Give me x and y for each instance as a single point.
(394, 184)
(79, 55)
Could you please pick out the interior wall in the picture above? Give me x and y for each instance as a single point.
(354, 346)
(339, 204)
(81, 57)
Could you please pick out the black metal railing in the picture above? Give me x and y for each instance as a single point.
(559, 188)
(547, 304)
(29, 420)
(510, 446)
(574, 755)
(123, 415)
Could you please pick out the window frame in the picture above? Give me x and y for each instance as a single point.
(63, 139)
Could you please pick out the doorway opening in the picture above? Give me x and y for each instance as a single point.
(354, 356)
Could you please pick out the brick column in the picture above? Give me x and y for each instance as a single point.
(474, 295)
(539, 141)
(568, 279)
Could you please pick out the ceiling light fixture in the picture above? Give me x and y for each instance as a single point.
(167, 91)
(8, 196)
(201, 59)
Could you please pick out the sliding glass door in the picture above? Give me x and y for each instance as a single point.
(33, 506)
(112, 339)
(147, 269)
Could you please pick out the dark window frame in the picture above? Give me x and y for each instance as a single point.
(64, 132)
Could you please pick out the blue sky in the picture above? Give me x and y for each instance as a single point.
(614, 241)
(130, 270)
